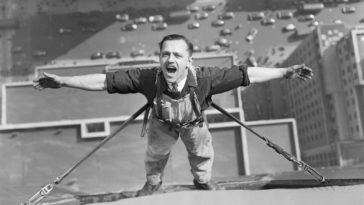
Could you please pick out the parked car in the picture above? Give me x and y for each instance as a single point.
(284, 15)
(88, 29)
(201, 16)
(113, 54)
(237, 27)
(226, 15)
(337, 21)
(194, 8)
(129, 27)
(210, 7)
(361, 20)
(212, 48)
(17, 49)
(97, 55)
(289, 27)
(65, 30)
(314, 23)
(308, 17)
(140, 20)
(223, 42)
(348, 10)
(196, 49)
(251, 34)
(122, 17)
(136, 53)
(39, 53)
(267, 21)
(255, 16)
(226, 32)
(193, 25)
(218, 23)
(159, 26)
(156, 19)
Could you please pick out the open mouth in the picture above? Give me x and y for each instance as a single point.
(171, 69)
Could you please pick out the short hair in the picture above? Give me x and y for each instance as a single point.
(177, 37)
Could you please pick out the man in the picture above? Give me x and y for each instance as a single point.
(179, 93)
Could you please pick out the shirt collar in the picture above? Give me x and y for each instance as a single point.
(190, 80)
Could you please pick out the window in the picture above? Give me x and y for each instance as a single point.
(95, 129)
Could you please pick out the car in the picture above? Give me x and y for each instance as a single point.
(88, 21)
(223, 42)
(337, 21)
(255, 16)
(136, 53)
(39, 53)
(237, 27)
(212, 48)
(193, 25)
(251, 61)
(194, 8)
(77, 14)
(196, 49)
(289, 27)
(361, 20)
(17, 49)
(159, 26)
(226, 32)
(308, 17)
(65, 30)
(284, 15)
(113, 54)
(210, 7)
(140, 20)
(267, 21)
(251, 34)
(218, 23)
(156, 19)
(348, 10)
(129, 27)
(122, 17)
(97, 55)
(88, 29)
(226, 15)
(314, 23)
(201, 16)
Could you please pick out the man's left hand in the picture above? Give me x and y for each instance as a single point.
(299, 71)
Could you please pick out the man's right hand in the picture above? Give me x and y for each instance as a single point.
(47, 81)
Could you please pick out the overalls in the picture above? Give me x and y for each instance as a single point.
(171, 119)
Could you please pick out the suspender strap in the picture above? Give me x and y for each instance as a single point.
(158, 94)
(145, 121)
(194, 101)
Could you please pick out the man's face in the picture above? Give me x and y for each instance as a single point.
(175, 59)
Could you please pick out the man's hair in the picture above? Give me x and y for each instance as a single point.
(177, 37)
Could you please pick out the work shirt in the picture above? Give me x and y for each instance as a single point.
(210, 81)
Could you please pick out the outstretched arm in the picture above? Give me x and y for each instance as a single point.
(93, 82)
(261, 74)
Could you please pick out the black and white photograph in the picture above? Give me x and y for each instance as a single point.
(183, 102)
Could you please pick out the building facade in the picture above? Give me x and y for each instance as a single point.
(327, 108)
(350, 56)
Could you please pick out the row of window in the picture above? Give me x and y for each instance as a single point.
(307, 115)
(323, 159)
(312, 139)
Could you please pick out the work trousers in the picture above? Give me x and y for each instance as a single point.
(162, 137)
